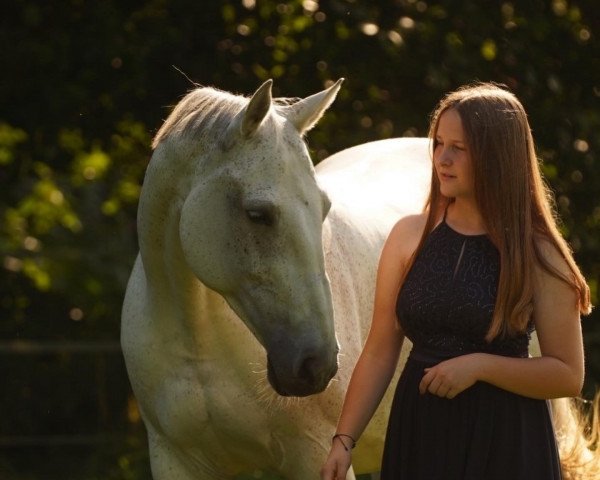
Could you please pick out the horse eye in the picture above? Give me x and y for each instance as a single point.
(261, 217)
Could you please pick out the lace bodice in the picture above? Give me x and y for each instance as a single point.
(447, 300)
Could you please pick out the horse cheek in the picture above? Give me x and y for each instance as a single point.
(206, 238)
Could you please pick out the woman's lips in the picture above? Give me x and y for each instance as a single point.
(445, 176)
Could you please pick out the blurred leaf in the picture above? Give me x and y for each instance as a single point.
(9, 138)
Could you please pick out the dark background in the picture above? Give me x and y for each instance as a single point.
(85, 85)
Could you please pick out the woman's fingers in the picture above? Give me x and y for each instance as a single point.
(434, 383)
(335, 469)
(448, 378)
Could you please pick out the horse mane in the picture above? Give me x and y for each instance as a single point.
(208, 110)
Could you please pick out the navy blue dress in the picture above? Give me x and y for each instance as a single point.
(485, 433)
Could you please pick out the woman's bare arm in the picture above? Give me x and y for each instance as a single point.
(379, 358)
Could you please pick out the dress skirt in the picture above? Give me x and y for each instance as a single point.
(484, 433)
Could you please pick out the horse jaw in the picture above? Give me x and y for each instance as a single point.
(305, 113)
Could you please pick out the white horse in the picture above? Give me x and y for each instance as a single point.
(246, 248)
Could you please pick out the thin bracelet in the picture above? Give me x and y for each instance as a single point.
(339, 435)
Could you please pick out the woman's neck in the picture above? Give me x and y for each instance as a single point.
(465, 217)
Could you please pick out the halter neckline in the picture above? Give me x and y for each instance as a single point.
(466, 235)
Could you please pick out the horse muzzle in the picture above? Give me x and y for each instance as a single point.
(301, 374)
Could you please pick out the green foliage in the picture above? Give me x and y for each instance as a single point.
(89, 83)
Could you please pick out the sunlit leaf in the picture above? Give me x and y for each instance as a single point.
(90, 166)
(71, 140)
(111, 207)
(39, 276)
(9, 138)
(488, 49)
(228, 13)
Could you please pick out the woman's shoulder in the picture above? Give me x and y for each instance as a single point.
(407, 232)
(551, 255)
(410, 224)
(553, 273)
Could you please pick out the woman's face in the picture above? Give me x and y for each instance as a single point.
(451, 158)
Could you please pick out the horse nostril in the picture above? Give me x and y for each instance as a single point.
(315, 371)
(308, 369)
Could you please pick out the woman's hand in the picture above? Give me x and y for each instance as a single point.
(450, 377)
(338, 462)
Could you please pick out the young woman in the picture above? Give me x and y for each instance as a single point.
(467, 281)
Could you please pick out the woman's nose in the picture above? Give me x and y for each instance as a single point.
(444, 158)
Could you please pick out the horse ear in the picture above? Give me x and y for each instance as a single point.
(305, 113)
(249, 119)
(257, 109)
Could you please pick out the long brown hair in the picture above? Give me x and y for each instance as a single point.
(514, 201)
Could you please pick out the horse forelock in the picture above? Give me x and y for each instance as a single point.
(205, 111)
(208, 112)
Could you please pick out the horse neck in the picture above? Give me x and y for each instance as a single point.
(194, 320)
(173, 290)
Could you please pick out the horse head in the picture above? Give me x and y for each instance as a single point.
(251, 220)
